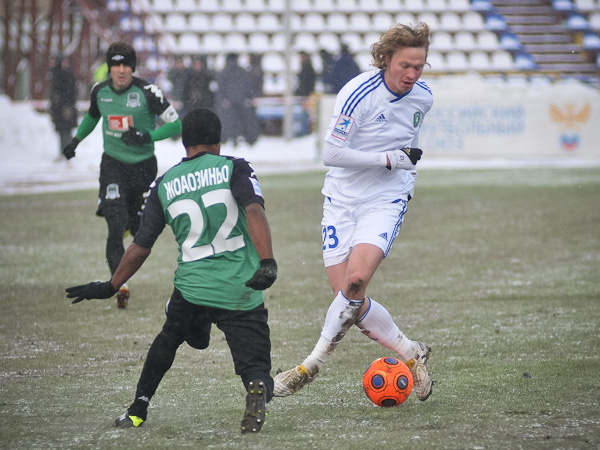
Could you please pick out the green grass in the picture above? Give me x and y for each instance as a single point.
(499, 270)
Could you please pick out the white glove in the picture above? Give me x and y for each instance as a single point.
(405, 158)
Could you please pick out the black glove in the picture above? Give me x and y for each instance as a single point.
(133, 136)
(95, 289)
(69, 149)
(414, 154)
(265, 276)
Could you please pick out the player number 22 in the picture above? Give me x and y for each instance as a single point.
(330, 239)
(221, 242)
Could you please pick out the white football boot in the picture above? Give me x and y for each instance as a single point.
(291, 381)
(423, 384)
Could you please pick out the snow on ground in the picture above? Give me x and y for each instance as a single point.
(29, 148)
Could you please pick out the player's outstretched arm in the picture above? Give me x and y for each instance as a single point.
(132, 260)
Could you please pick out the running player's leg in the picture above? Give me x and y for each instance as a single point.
(248, 337)
(350, 279)
(159, 359)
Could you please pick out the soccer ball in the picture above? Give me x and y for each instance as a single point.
(388, 382)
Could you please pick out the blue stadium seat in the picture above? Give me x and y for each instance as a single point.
(591, 42)
(577, 22)
(524, 61)
(510, 42)
(495, 22)
(563, 5)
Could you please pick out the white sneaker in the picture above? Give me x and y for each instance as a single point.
(423, 384)
(290, 381)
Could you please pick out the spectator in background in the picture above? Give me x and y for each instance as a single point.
(176, 77)
(306, 77)
(63, 99)
(235, 103)
(199, 86)
(344, 69)
(257, 75)
(100, 68)
(327, 71)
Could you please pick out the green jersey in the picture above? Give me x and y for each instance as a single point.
(137, 106)
(203, 200)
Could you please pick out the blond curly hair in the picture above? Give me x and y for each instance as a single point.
(396, 37)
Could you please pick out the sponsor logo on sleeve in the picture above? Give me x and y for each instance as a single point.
(342, 127)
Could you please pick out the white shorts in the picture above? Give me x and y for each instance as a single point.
(345, 226)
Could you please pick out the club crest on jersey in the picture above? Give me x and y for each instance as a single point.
(342, 127)
(416, 119)
(133, 100)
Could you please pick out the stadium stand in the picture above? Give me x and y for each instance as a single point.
(540, 38)
(552, 38)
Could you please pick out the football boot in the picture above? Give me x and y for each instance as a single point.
(256, 407)
(291, 381)
(423, 384)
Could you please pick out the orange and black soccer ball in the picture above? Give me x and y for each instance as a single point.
(388, 382)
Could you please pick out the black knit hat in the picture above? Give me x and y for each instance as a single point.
(201, 127)
(121, 53)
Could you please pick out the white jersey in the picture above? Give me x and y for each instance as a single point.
(371, 118)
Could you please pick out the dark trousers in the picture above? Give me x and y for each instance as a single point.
(246, 332)
(122, 195)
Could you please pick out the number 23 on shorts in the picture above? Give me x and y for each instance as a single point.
(330, 239)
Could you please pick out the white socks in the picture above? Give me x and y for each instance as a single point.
(341, 315)
(377, 324)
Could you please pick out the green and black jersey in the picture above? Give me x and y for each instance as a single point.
(137, 106)
(203, 200)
